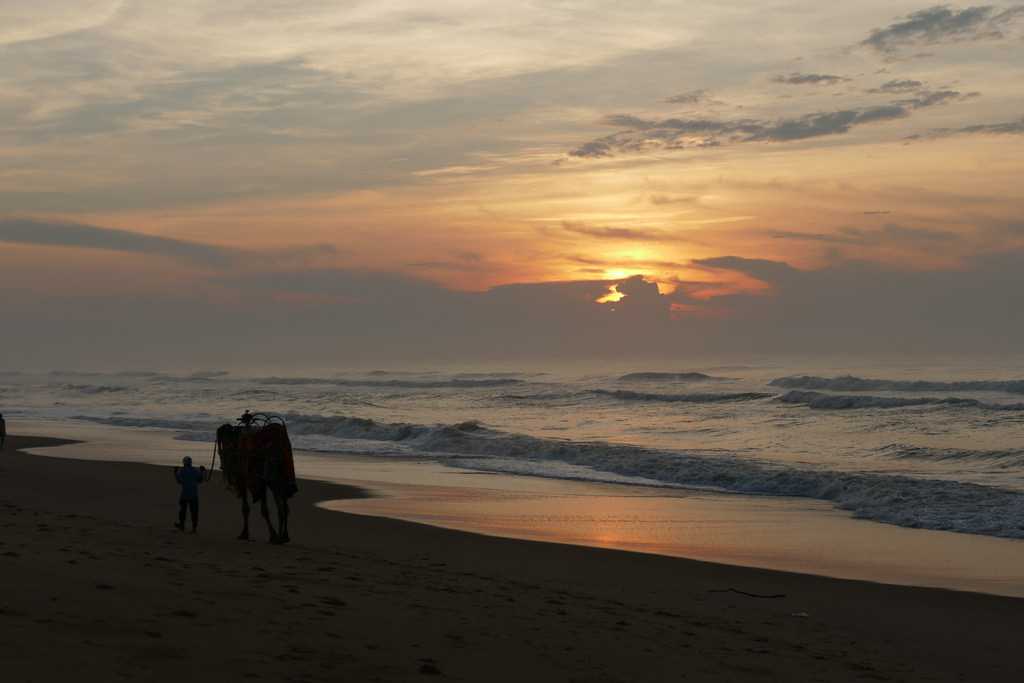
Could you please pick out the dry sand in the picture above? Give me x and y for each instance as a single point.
(96, 585)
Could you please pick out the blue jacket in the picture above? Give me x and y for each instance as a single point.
(190, 478)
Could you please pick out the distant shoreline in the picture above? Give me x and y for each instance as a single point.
(89, 545)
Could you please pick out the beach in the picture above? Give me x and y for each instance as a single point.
(99, 586)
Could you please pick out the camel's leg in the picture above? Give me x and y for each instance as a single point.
(244, 536)
(282, 517)
(265, 511)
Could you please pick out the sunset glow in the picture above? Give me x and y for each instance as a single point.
(454, 151)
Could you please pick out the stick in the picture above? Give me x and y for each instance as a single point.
(213, 461)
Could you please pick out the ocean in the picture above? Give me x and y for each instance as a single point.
(931, 445)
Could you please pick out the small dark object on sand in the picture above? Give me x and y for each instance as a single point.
(749, 595)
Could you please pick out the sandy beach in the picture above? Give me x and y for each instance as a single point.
(97, 585)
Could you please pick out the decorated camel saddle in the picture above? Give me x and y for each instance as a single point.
(256, 458)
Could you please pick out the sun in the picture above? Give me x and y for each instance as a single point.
(619, 273)
(612, 296)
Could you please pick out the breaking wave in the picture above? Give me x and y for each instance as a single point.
(667, 377)
(207, 375)
(456, 383)
(998, 458)
(893, 499)
(681, 398)
(851, 383)
(901, 500)
(197, 425)
(94, 388)
(819, 401)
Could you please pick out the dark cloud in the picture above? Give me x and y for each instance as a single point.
(623, 233)
(602, 265)
(628, 121)
(1005, 128)
(940, 24)
(809, 79)
(65, 234)
(691, 97)
(898, 86)
(332, 316)
(58, 234)
(613, 233)
(643, 134)
(672, 133)
(460, 261)
(866, 307)
(595, 149)
(889, 235)
(931, 98)
(829, 123)
(762, 269)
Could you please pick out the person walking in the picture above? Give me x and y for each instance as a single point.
(3, 431)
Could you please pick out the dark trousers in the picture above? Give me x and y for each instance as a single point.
(192, 505)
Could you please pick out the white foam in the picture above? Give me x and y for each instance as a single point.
(821, 401)
(852, 383)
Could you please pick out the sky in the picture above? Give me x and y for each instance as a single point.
(348, 183)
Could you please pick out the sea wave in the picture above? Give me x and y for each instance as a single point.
(95, 388)
(894, 499)
(1008, 458)
(851, 383)
(819, 401)
(901, 500)
(205, 375)
(198, 425)
(456, 383)
(667, 377)
(681, 398)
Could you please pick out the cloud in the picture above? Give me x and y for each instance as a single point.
(458, 261)
(58, 234)
(668, 200)
(690, 97)
(595, 149)
(25, 20)
(1004, 128)
(602, 265)
(897, 86)
(943, 24)
(697, 133)
(828, 123)
(887, 235)
(865, 307)
(762, 269)
(77, 235)
(931, 98)
(315, 317)
(643, 134)
(809, 79)
(625, 234)
(672, 133)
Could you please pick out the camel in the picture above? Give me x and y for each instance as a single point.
(256, 457)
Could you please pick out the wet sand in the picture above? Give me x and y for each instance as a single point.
(95, 584)
(785, 534)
